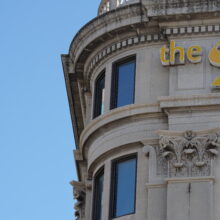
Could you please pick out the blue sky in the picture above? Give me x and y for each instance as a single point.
(36, 139)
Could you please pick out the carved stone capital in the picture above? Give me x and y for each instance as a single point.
(189, 153)
(79, 193)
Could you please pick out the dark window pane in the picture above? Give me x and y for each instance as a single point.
(98, 196)
(99, 95)
(125, 187)
(125, 84)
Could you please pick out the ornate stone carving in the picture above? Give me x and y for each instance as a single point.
(79, 195)
(190, 154)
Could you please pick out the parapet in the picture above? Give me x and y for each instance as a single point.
(108, 5)
(162, 7)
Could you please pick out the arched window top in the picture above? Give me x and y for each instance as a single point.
(99, 94)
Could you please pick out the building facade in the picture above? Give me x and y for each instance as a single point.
(143, 86)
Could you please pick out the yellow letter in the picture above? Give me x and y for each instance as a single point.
(174, 50)
(194, 54)
(216, 82)
(214, 55)
(164, 51)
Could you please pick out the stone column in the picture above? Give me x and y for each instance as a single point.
(156, 189)
(190, 156)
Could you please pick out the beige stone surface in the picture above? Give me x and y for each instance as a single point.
(173, 124)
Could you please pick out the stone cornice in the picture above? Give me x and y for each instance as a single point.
(72, 91)
(104, 27)
(101, 25)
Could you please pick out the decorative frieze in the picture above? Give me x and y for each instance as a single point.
(189, 155)
(191, 29)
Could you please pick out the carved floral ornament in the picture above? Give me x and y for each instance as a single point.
(190, 154)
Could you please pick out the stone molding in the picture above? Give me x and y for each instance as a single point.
(163, 183)
(212, 99)
(155, 185)
(190, 179)
(189, 154)
(187, 30)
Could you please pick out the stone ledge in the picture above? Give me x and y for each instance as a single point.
(186, 101)
(181, 133)
(190, 179)
(116, 114)
(163, 182)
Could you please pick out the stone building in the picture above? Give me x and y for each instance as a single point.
(143, 86)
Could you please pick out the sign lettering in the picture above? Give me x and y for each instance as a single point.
(176, 54)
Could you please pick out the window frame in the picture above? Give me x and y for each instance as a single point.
(114, 81)
(113, 186)
(96, 100)
(99, 173)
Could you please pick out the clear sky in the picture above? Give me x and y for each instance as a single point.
(36, 139)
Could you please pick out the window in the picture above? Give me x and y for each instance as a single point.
(98, 195)
(123, 83)
(124, 187)
(99, 95)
